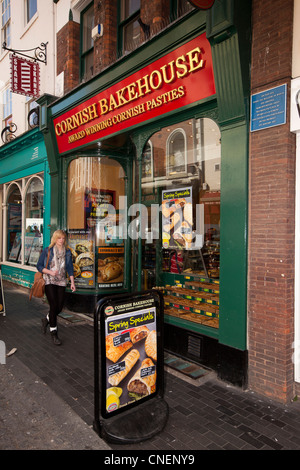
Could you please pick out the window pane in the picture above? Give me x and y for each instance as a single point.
(14, 224)
(87, 26)
(31, 9)
(34, 211)
(128, 7)
(132, 36)
(185, 184)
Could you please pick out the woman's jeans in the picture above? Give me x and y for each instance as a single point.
(56, 296)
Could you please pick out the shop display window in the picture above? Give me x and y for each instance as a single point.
(182, 253)
(95, 211)
(23, 220)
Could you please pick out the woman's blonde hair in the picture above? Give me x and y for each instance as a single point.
(58, 234)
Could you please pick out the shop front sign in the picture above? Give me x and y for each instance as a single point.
(178, 79)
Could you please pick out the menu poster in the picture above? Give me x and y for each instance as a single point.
(81, 244)
(111, 266)
(98, 204)
(131, 353)
(177, 218)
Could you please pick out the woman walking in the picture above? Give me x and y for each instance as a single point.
(55, 262)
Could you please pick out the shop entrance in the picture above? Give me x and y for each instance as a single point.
(96, 203)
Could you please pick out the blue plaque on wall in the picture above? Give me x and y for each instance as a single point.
(268, 108)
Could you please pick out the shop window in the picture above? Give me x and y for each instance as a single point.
(14, 222)
(23, 215)
(95, 212)
(87, 43)
(34, 211)
(186, 188)
(129, 25)
(5, 22)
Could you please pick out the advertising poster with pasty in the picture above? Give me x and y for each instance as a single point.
(177, 218)
(111, 266)
(131, 353)
(81, 244)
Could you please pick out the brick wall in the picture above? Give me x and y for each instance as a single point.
(271, 212)
(68, 54)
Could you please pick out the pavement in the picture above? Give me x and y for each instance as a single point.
(47, 397)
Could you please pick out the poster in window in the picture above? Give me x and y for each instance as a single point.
(111, 266)
(177, 218)
(131, 353)
(14, 253)
(82, 246)
(14, 215)
(98, 203)
(36, 250)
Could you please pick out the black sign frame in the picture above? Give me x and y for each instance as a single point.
(114, 307)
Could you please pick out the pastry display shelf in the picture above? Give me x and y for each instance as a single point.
(195, 299)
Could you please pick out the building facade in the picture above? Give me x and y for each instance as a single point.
(165, 175)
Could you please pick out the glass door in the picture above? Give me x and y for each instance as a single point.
(95, 221)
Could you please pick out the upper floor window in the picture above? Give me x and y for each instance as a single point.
(87, 43)
(179, 8)
(129, 25)
(31, 9)
(5, 22)
(7, 107)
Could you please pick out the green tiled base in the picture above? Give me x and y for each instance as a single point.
(190, 369)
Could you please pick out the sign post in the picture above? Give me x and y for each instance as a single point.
(129, 367)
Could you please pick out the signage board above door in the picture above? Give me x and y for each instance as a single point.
(176, 80)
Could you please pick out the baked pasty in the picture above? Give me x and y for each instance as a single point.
(113, 353)
(150, 345)
(143, 386)
(130, 360)
(83, 246)
(85, 259)
(139, 333)
(111, 271)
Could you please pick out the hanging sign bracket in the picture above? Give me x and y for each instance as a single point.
(40, 52)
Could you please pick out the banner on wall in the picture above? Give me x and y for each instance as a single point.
(25, 76)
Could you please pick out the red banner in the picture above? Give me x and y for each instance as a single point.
(178, 79)
(25, 76)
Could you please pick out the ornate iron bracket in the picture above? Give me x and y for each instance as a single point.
(8, 133)
(40, 52)
(33, 117)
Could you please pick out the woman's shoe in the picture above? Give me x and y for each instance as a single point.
(55, 338)
(45, 323)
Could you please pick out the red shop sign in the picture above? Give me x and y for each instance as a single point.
(25, 76)
(180, 78)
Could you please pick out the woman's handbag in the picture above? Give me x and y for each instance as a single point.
(38, 286)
